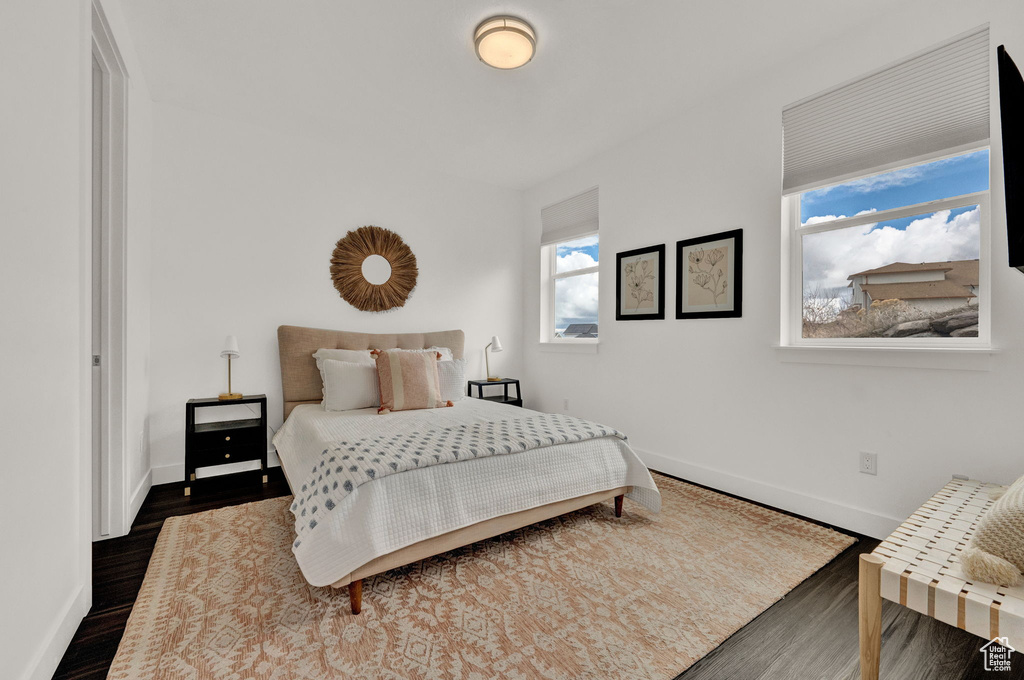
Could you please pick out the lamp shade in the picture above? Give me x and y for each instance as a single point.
(496, 344)
(230, 347)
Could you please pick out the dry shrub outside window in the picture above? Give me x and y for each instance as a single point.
(347, 269)
(822, 321)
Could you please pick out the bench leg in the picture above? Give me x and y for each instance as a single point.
(618, 505)
(355, 595)
(870, 593)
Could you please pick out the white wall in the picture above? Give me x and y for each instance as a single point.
(44, 507)
(244, 223)
(711, 400)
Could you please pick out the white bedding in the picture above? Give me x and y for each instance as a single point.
(401, 509)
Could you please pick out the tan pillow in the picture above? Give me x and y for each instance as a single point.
(408, 380)
(995, 553)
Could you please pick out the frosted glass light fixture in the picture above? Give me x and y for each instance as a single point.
(505, 42)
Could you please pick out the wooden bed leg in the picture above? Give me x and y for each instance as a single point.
(618, 505)
(870, 595)
(355, 595)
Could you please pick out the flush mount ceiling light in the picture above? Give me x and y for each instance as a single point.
(504, 42)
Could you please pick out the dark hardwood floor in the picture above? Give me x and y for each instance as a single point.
(811, 633)
(119, 564)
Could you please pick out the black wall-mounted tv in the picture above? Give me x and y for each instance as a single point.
(1011, 115)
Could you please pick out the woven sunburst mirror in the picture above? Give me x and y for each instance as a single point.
(347, 269)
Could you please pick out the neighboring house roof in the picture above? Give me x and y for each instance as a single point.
(581, 328)
(960, 277)
(898, 267)
(918, 290)
(964, 272)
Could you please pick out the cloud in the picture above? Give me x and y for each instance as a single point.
(818, 219)
(575, 299)
(887, 180)
(832, 256)
(575, 260)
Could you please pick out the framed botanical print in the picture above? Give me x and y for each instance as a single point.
(640, 284)
(709, 276)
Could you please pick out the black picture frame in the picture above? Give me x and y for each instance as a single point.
(659, 284)
(734, 274)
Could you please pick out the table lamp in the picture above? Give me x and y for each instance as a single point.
(230, 351)
(495, 346)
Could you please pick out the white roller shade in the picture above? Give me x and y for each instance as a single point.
(565, 220)
(933, 103)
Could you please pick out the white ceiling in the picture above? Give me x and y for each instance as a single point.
(399, 78)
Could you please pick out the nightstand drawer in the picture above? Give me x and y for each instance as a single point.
(206, 438)
(232, 453)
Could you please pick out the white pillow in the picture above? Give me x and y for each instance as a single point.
(348, 385)
(452, 378)
(352, 356)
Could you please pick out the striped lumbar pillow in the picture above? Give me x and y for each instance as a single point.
(408, 380)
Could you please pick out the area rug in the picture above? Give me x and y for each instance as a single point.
(585, 595)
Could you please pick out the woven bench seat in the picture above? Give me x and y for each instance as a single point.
(918, 566)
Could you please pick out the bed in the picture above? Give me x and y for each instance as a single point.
(402, 518)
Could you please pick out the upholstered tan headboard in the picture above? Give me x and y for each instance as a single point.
(300, 380)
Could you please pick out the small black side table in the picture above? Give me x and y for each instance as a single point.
(501, 399)
(225, 441)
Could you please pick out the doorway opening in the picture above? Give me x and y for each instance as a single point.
(109, 203)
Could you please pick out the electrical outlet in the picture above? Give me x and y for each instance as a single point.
(868, 463)
(565, 404)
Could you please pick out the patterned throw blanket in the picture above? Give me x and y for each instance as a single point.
(348, 464)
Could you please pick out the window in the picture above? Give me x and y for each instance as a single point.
(574, 288)
(569, 271)
(886, 205)
(905, 260)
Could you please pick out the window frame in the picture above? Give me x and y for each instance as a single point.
(791, 322)
(549, 274)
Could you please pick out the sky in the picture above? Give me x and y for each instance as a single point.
(576, 296)
(831, 257)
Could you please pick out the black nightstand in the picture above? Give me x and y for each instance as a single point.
(501, 399)
(225, 441)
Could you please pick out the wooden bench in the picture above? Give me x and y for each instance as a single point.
(918, 566)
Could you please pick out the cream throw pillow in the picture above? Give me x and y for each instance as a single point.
(995, 553)
(349, 386)
(353, 356)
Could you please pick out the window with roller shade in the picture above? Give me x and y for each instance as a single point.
(885, 197)
(570, 245)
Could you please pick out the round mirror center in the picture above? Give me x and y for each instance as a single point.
(376, 270)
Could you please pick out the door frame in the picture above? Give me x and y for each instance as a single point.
(110, 493)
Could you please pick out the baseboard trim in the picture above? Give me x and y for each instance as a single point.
(168, 474)
(139, 497)
(847, 517)
(59, 638)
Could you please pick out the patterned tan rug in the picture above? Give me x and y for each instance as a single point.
(581, 596)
